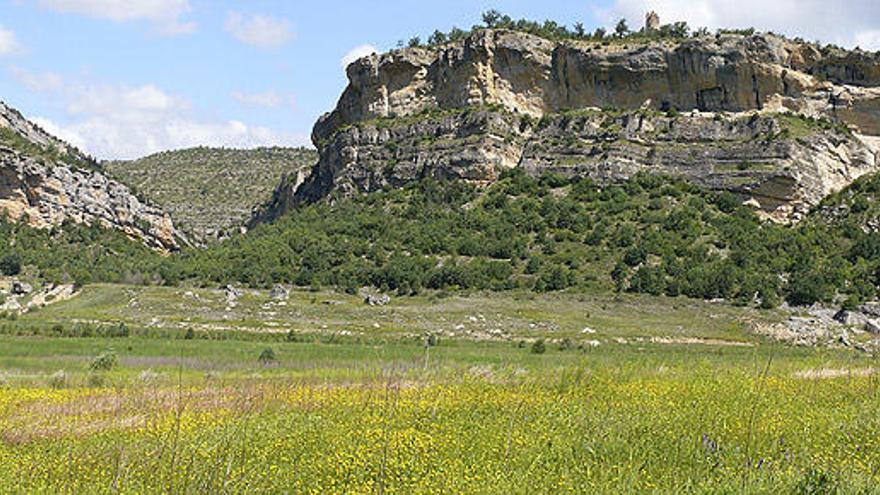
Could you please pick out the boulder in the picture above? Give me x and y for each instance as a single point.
(279, 292)
(232, 294)
(852, 318)
(377, 300)
(21, 288)
(11, 305)
(873, 326)
(872, 309)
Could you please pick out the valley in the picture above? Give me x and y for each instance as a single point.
(519, 258)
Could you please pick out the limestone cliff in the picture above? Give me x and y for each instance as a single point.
(535, 76)
(45, 182)
(708, 108)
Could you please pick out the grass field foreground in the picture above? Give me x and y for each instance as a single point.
(180, 416)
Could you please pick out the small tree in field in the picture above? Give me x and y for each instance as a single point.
(267, 357)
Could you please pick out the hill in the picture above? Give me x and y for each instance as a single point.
(779, 122)
(211, 192)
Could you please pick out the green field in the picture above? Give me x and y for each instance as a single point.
(660, 395)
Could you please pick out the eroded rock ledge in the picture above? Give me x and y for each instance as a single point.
(780, 163)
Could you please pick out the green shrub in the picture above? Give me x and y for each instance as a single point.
(538, 347)
(10, 264)
(566, 345)
(817, 482)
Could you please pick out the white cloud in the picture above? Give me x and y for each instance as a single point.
(38, 83)
(869, 40)
(269, 99)
(848, 23)
(167, 15)
(8, 42)
(118, 121)
(259, 30)
(357, 53)
(56, 130)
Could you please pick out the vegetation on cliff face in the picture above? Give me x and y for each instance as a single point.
(650, 235)
(211, 192)
(549, 29)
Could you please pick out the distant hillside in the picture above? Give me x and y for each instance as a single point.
(211, 192)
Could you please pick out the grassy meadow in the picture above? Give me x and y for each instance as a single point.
(632, 395)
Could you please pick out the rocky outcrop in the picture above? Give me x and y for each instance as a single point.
(13, 121)
(780, 163)
(709, 109)
(38, 188)
(531, 75)
(282, 197)
(44, 195)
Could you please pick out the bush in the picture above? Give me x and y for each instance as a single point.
(10, 264)
(190, 334)
(105, 362)
(817, 482)
(539, 347)
(267, 357)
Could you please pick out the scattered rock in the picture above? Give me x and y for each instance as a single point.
(872, 309)
(872, 326)
(51, 294)
(11, 304)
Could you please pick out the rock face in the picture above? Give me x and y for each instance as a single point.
(709, 109)
(37, 188)
(780, 163)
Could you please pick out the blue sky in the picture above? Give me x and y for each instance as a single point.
(123, 78)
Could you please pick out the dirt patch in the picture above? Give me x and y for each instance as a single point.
(107, 410)
(698, 341)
